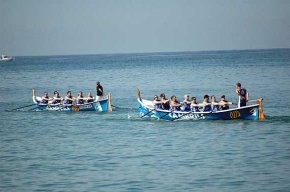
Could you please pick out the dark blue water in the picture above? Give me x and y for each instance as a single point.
(54, 151)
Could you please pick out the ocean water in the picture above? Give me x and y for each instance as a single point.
(118, 151)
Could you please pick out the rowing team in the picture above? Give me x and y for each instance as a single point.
(191, 104)
(68, 100)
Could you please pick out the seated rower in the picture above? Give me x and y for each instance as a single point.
(68, 100)
(224, 104)
(157, 103)
(186, 103)
(206, 104)
(56, 98)
(194, 106)
(80, 98)
(90, 98)
(174, 104)
(165, 102)
(45, 98)
(214, 104)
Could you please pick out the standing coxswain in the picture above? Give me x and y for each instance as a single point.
(243, 95)
(100, 91)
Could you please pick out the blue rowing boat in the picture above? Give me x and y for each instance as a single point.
(251, 112)
(103, 105)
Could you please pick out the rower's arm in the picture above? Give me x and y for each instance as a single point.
(71, 99)
(227, 103)
(175, 105)
(201, 105)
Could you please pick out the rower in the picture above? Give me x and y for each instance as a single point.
(45, 98)
(174, 104)
(90, 98)
(165, 102)
(80, 98)
(194, 105)
(56, 98)
(224, 104)
(68, 100)
(186, 103)
(214, 104)
(206, 104)
(157, 103)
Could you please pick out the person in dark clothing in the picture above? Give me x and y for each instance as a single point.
(194, 106)
(90, 98)
(224, 104)
(56, 98)
(214, 104)
(157, 103)
(80, 98)
(68, 100)
(45, 98)
(243, 95)
(206, 104)
(165, 104)
(186, 103)
(100, 91)
(174, 104)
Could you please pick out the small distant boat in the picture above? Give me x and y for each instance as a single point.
(6, 58)
(251, 112)
(103, 105)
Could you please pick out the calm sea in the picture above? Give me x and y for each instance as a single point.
(57, 151)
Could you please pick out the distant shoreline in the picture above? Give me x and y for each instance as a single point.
(156, 53)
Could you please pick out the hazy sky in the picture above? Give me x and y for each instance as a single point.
(56, 27)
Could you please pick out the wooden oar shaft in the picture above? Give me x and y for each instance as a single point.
(147, 113)
(22, 107)
(110, 109)
(164, 115)
(253, 100)
(261, 112)
(115, 106)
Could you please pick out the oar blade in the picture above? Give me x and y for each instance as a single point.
(261, 112)
(110, 109)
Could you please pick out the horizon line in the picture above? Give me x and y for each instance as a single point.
(149, 52)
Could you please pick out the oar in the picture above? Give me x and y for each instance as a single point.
(22, 107)
(261, 112)
(115, 106)
(147, 113)
(165, 114)
(110, 109)
(253, 100)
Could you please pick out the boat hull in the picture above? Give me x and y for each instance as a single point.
(101, 105)
(5, 58)
(250, 112)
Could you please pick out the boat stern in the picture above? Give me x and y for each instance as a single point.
(261, 115)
